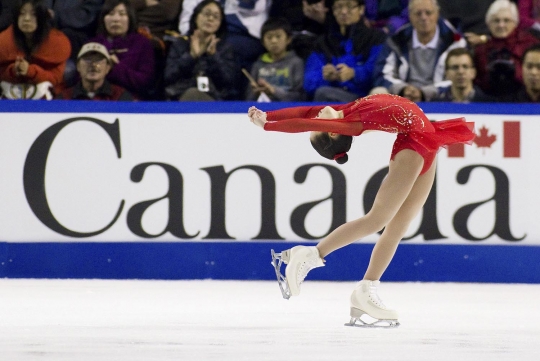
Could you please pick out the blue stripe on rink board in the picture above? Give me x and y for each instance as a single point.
(251, 261)
(81, 106)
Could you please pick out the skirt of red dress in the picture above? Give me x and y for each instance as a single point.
(427, 144)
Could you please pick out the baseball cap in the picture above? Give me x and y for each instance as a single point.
(94, 48)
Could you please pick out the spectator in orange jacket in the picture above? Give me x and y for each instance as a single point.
(32, 51)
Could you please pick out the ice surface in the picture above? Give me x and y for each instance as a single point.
(95, 320)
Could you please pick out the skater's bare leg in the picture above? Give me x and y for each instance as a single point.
(402, 175)
(386, 245)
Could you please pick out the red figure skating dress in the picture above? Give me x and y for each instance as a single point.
(383, 112)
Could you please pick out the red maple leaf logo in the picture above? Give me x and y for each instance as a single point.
(484, 140)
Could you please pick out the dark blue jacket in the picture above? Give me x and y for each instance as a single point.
(358, 50)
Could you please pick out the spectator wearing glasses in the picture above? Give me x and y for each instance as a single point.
(202, 65)
(461, 72)
(93, 65)
(498, 61)
(411, 63)
(340, 69)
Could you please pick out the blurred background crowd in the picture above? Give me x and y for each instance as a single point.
(270, 50)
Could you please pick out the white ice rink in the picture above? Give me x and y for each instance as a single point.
(83, 320)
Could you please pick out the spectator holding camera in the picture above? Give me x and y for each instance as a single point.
(498, 61)
(202, 66)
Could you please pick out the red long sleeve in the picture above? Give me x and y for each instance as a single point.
(302, 119)
(295, 112)
(298, 125)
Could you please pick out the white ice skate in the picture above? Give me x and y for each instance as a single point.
(299, 260)
(365, 302)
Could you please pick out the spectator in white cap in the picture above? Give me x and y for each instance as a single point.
(93, 65)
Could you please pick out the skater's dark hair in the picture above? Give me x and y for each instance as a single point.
(332, 148)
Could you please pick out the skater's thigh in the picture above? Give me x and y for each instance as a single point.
(402, 175)
(415, 200)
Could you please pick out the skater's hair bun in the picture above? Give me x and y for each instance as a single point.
(341, 158)
(333, 148)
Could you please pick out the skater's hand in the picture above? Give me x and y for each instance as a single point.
(257, 117)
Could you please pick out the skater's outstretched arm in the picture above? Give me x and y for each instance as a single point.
(298, 125)
(303, 111)
(294, 112)
(326, 120)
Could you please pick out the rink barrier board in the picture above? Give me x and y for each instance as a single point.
(251, 261)
(69, 106)
(245, 260)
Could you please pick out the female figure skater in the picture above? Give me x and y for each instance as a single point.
(400, 197)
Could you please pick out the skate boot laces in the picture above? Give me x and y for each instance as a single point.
(304, 269)
(374, 297)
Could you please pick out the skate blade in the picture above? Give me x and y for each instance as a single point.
(356, 322)
(277, 260)
(370, 322)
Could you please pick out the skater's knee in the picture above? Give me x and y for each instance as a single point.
(375, 221)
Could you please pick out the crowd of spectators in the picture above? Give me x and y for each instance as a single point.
(270, 50)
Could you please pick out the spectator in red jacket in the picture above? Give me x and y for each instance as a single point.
(32, 52)
(93, 64)
(498, 61)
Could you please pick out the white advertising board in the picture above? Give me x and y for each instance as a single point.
(184, 177)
